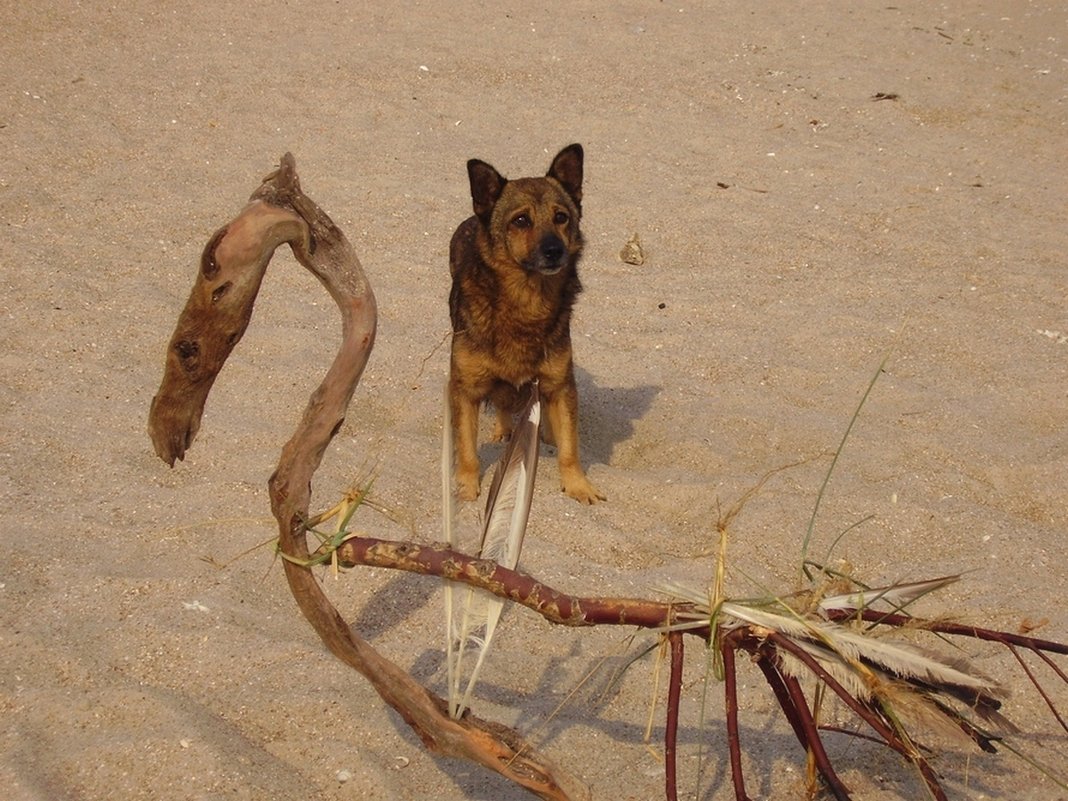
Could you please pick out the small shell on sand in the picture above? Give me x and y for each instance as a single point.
(632, 252)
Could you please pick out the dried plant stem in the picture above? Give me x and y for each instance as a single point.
(807, 542)
(1031, 676)
(812, 741)
(946, 627)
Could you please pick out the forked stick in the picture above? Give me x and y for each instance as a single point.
(760, 644)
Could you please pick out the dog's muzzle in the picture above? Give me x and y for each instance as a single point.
(550, 256)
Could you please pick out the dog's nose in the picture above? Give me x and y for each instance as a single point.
(552, 249)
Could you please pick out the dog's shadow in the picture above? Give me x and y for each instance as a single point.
(606, 418)
(607, 415)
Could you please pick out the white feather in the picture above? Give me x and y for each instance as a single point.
(897, 596)
(912, 708)
(507, 511)
(897, 657)
(918, 688)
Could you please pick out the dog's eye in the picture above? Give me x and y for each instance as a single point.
(521, 221)
(561, 218)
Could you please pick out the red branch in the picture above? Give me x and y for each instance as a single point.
(568, 610)
(945, 627)
(671, 730)
(866, 713)
(729, 644)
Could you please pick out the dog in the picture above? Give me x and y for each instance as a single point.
(514, 284)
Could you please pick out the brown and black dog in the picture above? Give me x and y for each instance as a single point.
(514, 283)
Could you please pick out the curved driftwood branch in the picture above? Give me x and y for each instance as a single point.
(216, 315)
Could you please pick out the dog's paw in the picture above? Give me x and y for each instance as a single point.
(501, 432)
(581, 490)
(467, 486)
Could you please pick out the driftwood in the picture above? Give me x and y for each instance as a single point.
(215, 317)
(217, 313)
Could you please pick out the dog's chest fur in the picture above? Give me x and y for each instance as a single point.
(510, 317)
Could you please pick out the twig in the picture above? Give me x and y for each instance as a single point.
(775, 680)
(945, 627)
(671, 726)
(868, 715)
(1034, 681)
(730, 692)
(812, 740)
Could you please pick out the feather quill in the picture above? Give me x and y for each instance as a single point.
(504, 526)
(448, 526)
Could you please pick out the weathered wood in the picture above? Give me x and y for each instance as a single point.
(557, 607)
(214, 319)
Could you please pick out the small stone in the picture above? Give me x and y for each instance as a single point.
(343, 775)
(632, 252)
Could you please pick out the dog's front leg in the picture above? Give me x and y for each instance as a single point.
(465, 436)
(563, 418)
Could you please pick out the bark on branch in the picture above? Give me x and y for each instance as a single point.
(556, 607)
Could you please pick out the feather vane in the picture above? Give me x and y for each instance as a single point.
(898, 658)
(906, 683)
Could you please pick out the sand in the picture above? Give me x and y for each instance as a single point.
(817, 187)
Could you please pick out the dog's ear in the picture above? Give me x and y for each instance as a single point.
(567, 169)
(486, 187)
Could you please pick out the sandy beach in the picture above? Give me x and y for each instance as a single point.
(817, 188)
